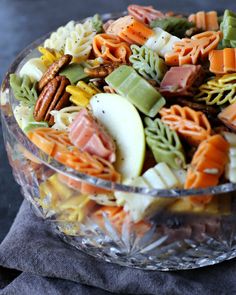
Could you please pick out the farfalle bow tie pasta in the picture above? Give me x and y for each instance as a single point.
(127, 101)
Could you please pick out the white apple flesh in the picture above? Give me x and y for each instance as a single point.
(122, 121)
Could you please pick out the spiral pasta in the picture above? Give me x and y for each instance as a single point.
(173, 25)
(207, 166)
(74, 39)
(147, 63)
(79, 43)
(193, 126)
(189, 51)
(24, 90)
(164, 143)
(111, 48)
(57, 40)
(97, 23)
(218, 90)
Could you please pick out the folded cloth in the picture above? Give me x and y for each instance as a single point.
(42, 263)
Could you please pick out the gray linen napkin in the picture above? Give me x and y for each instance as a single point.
(50, 266)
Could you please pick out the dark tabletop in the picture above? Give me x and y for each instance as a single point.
(23, 21)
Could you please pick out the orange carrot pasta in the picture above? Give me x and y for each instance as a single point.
(207, 165)
(193, 126)
(223, 61)
(206, 21)
(228, 116)
(57, 144)
(111, 48)
(130, 30)
(189, 51)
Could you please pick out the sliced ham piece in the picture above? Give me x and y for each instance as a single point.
(89, 136)
(145, 14)
(182, 80)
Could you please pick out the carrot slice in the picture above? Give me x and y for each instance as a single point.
(130, 30)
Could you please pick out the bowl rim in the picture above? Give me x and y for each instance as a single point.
(9, 120)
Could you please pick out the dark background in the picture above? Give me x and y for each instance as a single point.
(23, 21)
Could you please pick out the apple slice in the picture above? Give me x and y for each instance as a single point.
(122, 121)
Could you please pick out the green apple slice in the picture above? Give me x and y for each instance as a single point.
(122, 121)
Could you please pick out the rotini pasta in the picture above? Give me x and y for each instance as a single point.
(147, 63)
(230, 170)
(160, 177)
(79, 42)
(173, 25)
(161, 41)
(24, 90)
(207, 166)
(223, 61)
(164, 143)
(144, 14)
(74, 39)
(182, 80)
(57, 40)
(219, 90)
(189, 51)
(111, 48)
(207, 21)
(193, 126)
(228, 27)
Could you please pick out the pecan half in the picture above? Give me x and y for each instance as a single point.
(101, 71)
(53, 97)
(53, 70)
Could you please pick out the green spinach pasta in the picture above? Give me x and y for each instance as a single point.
(147, 63)
(164, 143)
(23, 89)
(173, 25)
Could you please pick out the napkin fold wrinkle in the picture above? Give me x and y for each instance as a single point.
(34, 260)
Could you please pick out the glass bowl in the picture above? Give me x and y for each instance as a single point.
(178, 236)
